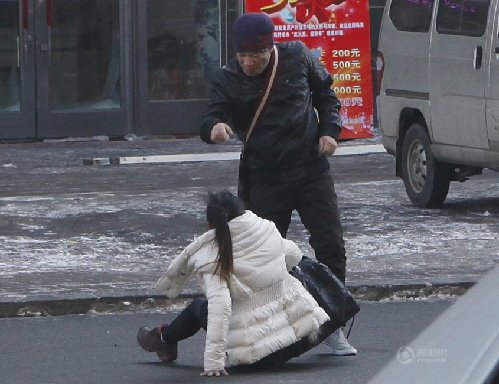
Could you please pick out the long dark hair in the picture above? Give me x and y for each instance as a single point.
(221, 208)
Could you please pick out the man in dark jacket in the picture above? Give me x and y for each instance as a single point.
(284, 164)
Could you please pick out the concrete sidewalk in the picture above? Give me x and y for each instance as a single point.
(76, 238)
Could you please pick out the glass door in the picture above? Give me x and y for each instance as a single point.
(82, 73)
(17, 85)
(179, 46)
(64, 68)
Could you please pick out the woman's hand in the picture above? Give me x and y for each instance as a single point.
(221, 372)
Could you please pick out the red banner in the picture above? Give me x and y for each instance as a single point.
(338, 34)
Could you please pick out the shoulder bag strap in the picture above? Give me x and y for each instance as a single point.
(265, 95)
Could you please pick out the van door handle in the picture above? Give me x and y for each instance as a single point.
(477, 57)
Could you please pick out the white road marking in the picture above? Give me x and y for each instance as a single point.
(217, 156)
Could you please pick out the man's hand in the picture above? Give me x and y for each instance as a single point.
(327, 145)
(221, 372)
(220, 133)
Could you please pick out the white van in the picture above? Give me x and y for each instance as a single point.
(438, 102)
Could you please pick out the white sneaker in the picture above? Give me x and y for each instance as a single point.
(338, 344)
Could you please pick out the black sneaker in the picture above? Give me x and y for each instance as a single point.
(150, 341)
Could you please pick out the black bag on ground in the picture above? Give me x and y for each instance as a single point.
(329, 292)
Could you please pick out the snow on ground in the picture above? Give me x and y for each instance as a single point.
(93, 243)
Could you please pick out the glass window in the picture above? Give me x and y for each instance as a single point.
(183, 48)
(9, 56)
(411, 15)
(462, 17)
(84, 42)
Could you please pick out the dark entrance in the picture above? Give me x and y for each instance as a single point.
(79, 68)
(61, 68)
(180, 44)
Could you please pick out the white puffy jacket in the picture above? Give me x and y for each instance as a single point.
(262, 308)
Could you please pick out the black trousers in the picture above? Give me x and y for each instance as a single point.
(195, 316)
(188, 322)
(315, 200)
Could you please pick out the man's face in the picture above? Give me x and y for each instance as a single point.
(253, 63)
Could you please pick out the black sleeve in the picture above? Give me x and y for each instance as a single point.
(324, 99)
(218, 109)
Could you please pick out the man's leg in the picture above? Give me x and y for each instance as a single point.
(273, 201)
(318, 210)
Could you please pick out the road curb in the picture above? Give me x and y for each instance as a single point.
(138, 303)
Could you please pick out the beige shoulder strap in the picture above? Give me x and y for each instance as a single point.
(266, 94)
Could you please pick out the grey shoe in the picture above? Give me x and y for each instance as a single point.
(338, 344)
(150, 341)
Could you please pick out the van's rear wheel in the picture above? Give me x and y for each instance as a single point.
(426, 180)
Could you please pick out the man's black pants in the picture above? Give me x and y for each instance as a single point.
(315, 200)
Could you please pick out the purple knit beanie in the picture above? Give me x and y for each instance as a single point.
(253, 32)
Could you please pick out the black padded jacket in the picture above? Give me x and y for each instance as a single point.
(301, 108)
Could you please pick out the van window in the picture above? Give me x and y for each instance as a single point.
(462, 17)
(411, 15)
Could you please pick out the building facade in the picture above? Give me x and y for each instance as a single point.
(79, 68)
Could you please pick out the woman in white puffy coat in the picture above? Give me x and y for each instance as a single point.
(254, 309)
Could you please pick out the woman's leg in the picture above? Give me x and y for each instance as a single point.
(188, 322)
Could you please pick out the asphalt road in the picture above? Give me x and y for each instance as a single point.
(101, 349)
